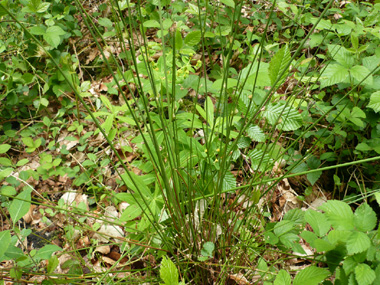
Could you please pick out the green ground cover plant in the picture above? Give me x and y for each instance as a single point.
(214, 142)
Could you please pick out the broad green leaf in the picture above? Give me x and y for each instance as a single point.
(131, 212)
(259, 160)
(229, 181)
(364, 274)
(278, 65)
(318, 222)
(374, 101)
(333, 74)
(357, 242)
(338, 236)
(5, 161)
(193, 38)
(5, 241)
(168, 272)
(52, 35)
(5, 172)
(229, 3)
(360, 72)
(178, 40)
(321, 245)
(283, 278)
(4, 148)
(230, 83)
(151, 24)
(283, 227)
(46, 251)
(19, 208)
(52, 264)
(311, 275)
(208, 249)
(255, 133)
(341, 55)
(105, 22)
(339, 214)
(365, 218)
(313, 177)
(28, 141)
(136, 183)
(284, 117)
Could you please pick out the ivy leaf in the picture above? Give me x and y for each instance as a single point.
(311, 275)
(374, 101)
(278, 65)
(52, 35)
(333, 74)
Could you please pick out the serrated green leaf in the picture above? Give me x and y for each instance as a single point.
(364, 274)
(365, 218)
(168, 272)
(52, 35)
(193, 38)
(4, 148)
(255, 133)
(374, 101)
(46, 251)
(283, 278)
(259, 160)
(19, 207)
(318, 222)
(339, 214)
(357, 242)
(333, 74)
(341, 55)
(313, 177)
(311, 275)
(284, 117)
(278, 65)
(360, 72)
